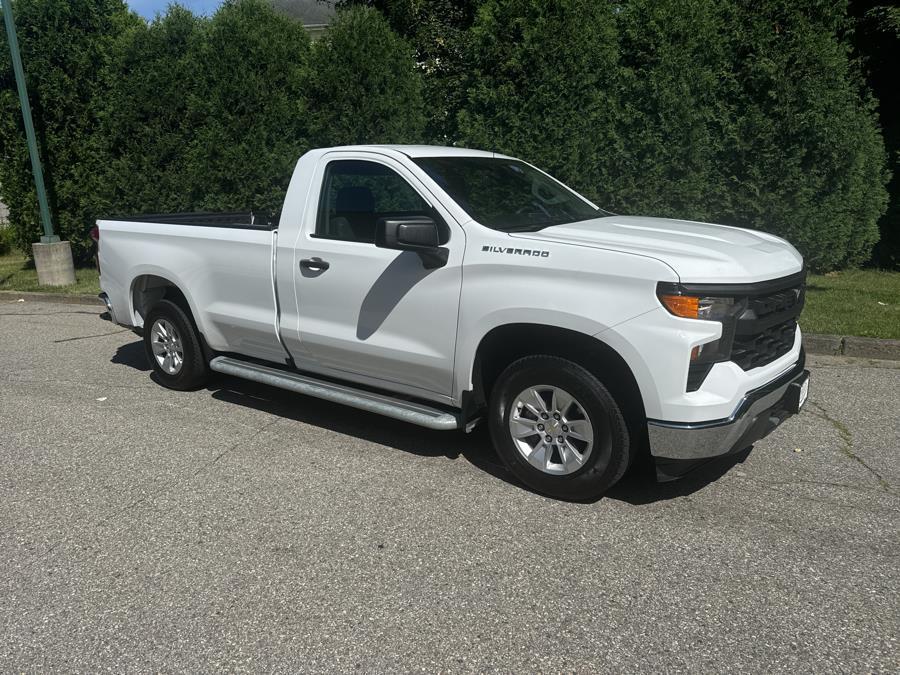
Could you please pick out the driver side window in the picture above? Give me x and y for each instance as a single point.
(356, 193)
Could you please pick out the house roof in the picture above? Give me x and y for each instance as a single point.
(308, 12)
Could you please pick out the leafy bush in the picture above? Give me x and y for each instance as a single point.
(145, 129)
(752, 116)
(247, 109)
(7, 239)
(543, 87)
(67, 47)
(363, 87)
(438, 31)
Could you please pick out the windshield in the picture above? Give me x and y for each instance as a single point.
(506, 194)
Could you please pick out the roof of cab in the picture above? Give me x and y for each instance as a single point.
(422, 150)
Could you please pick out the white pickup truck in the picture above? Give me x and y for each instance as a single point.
(443, 286)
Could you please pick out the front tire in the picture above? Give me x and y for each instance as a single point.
(558, 429)
(173, 347)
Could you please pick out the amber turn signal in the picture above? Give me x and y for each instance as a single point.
(687, 306)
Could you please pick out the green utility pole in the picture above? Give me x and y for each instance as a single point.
(48, 237)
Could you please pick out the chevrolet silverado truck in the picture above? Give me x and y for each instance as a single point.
(444, 286)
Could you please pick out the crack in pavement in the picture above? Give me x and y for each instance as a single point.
(88, 337)
(47, 313)
(847, 444)
(768, 487)
(13, 379)
(259, 431)
(844, 486)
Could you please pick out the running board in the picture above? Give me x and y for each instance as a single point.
(398, 409)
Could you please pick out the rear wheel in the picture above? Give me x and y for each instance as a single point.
(173, 347)
(558, 429)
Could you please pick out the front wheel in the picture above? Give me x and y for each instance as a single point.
(558, 429)
(173, 347)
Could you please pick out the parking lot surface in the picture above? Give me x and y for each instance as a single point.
(243, 528)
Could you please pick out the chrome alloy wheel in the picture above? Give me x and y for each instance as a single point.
(166, 344)
(551, 429)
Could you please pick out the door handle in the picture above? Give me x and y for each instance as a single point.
(314, 264)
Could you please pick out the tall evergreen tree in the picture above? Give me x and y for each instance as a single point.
(542, 86)
(363, 85)
(247, 108)
(144, 122)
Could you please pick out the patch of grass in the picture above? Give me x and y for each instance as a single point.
(16, 274)
(854, 302)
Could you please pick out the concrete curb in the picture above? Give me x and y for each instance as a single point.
(851, 345)
(61, 298)
(832, 345)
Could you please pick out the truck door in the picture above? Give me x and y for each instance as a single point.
(369, 314)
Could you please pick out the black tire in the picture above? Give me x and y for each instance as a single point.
(611, 451)
(194, 371)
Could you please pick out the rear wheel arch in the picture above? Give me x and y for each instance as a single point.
(148, 289)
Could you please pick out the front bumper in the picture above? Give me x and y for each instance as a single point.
(757, 415)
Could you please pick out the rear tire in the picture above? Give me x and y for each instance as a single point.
(173, 347)
(558, 429)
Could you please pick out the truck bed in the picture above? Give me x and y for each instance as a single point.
(222, 262)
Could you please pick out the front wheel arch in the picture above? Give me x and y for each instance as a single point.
(505, 344)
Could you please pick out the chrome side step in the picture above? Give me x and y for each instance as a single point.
(398, 409)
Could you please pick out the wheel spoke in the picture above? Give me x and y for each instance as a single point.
(580, 429)
(561, 401)
(572, 456)
(524, 428)
(539, 400)
(158, 347)
(540, 455)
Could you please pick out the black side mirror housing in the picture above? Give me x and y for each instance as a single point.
(412, 233)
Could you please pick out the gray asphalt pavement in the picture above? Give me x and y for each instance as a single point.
(242, 528)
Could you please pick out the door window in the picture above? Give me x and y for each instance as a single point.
(356, 193)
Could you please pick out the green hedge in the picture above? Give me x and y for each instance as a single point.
(189, 113)
(752, 114)
(721, 111)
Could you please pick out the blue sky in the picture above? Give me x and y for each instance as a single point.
(150, 8)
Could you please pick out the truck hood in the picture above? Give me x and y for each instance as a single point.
(698, 252)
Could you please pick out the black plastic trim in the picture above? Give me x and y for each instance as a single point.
(228, 219)
(756, 288)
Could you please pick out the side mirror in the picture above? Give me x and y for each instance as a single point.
(412, 233)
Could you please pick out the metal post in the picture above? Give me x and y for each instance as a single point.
(48, 237)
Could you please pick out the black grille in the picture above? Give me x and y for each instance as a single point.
(765, 330)
(758, 350)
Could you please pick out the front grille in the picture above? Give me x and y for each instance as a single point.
(757, 350)
(765, 330)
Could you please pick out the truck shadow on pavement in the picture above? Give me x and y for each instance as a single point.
(132, 355)
(638, 487)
